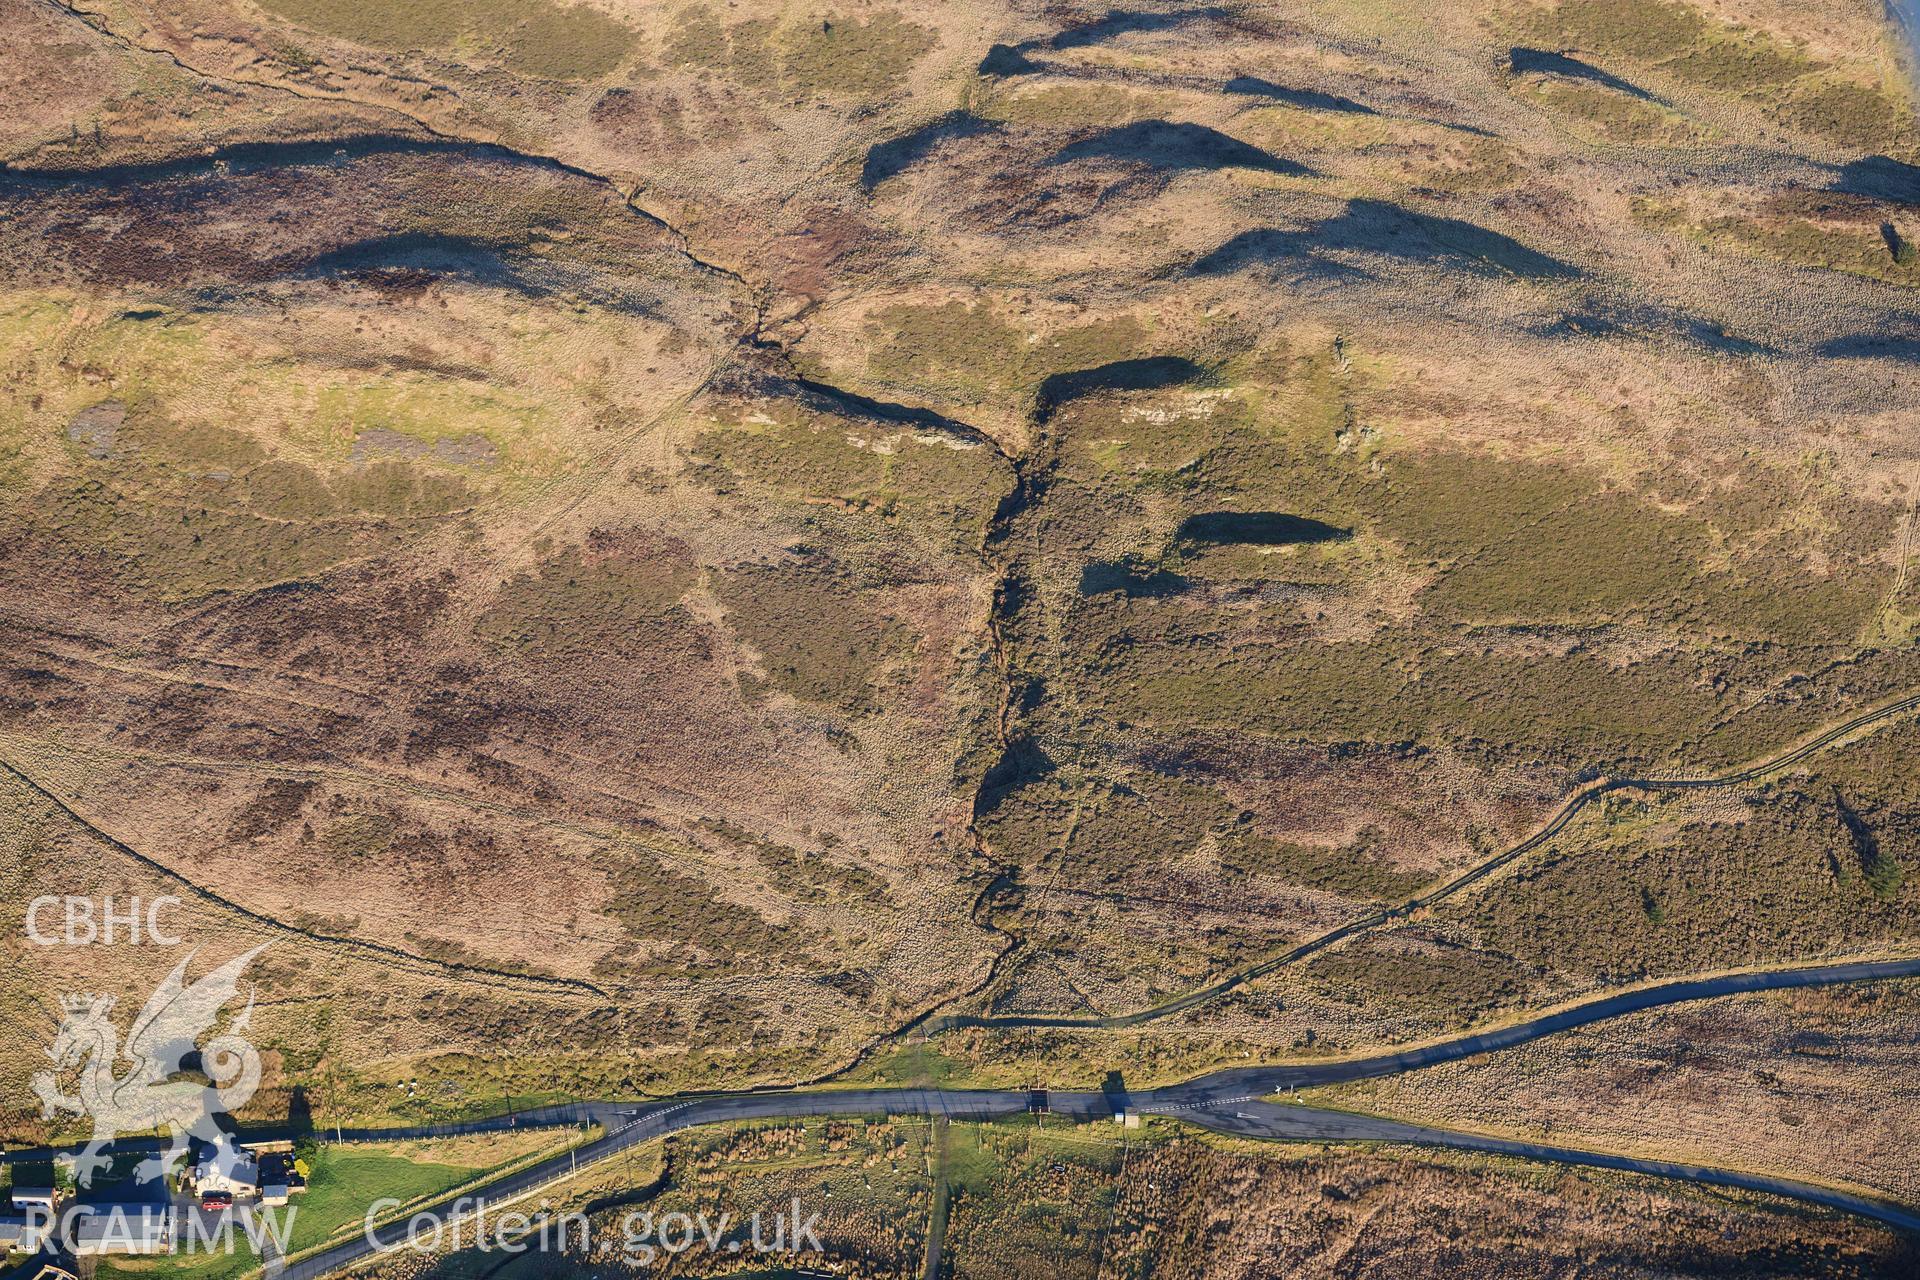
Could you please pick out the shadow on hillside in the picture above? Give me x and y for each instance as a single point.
(827, 398)
(1903, 347)
(1148, 374)
(1880, 178)
(1597, 318)
(1547, 62)
(225, 163)
(1579, 324)
(411, 260)
(1122, 22)
(1309, 99)
(1006, 60)
(1714, 336)
(1256, 528)
(414, 258)
(1379, 227)
(896, 155)
(1024, 762)
(1163, 144)
(1130, 578)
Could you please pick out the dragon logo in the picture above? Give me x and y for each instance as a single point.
(163, 1044)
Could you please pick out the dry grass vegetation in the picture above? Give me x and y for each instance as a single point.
(1698, 48)
(1804, 866)
(1081, 1204)
(1787, 1082)
(528, 37)
(649, 545)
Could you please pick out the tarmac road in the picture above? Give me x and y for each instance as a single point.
(1249, 1118)
(631, 1126)
(1259, 1080)
(1228, 1101)
(1272, 1120)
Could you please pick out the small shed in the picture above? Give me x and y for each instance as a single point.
(29, 1198)
(20, 1233)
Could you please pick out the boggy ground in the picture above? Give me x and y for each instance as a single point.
(647, 546)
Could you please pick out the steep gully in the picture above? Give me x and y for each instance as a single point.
(764, 368)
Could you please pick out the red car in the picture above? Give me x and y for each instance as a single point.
(212, 1200)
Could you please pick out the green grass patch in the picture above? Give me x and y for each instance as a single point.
(819, 638)
(1837, 234)
(431, 410)
(612, 599)
(180, 508)
(1097, 830)
(1443, 506)
(864, 1181)
(1028, 1201)
(918, 478)
(1609, 115)
(969, 350)
(916, 1063)
(851, 57)
(531, 37)
(1359, 870)
(1810, 868)
(687, 927)
(344, 1183)
(1644, 29)
(184, 1266)
(1403, 688)
(830, 55)
(1756, 66)
(181, 546)
(969, 1165)
(1454, 984)
(1604, 556)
